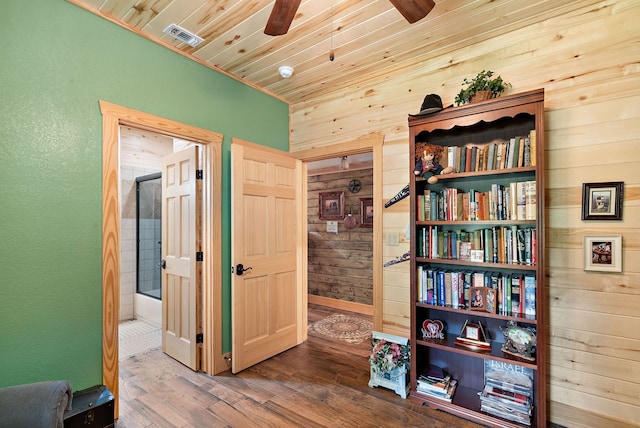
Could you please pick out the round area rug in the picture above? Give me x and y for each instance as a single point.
(343, 327)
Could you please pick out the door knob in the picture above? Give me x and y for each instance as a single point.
(240, 269)
(162, 263)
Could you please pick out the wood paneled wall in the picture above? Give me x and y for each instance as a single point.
(588, 62)
(340, 266)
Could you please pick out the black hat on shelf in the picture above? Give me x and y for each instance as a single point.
(432, 103)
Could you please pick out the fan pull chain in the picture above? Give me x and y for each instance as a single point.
(331, 55)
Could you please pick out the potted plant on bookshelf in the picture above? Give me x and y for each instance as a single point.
(482, 87)
(389, 362)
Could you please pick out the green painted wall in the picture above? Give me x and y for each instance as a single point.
(56, 62)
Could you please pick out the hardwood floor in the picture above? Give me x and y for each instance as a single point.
(320, 383)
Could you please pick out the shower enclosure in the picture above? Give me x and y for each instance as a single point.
(149, 235)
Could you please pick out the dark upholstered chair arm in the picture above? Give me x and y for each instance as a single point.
(35, 405)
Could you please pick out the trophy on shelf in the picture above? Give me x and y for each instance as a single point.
(473, 337)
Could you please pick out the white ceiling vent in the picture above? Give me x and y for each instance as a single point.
(183, 35)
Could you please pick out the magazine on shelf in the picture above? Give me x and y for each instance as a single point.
(436, 382)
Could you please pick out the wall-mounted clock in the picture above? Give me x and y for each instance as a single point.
(355, 186)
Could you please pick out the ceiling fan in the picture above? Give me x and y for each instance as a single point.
(284, 10)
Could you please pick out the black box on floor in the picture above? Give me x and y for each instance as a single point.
(91, 407)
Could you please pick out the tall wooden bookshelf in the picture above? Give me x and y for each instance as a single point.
(495, 121)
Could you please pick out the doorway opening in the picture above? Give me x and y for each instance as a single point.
(372, 144)
(340, 256)
(115, 116)
(140, 325)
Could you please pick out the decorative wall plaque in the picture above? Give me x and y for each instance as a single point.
(432, 329)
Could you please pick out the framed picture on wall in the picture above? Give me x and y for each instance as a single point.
(331, 205)
(366, 212)
(603, 253)
(602, 201)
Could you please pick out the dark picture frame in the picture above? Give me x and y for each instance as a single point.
(366, 212)
(331, 205)
(602, 201)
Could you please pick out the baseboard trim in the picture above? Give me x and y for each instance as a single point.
(341, 304)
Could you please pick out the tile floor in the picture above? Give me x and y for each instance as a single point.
(137, 337)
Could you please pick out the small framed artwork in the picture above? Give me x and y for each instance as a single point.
(602, 201)
(491, 300)
(331, 205)
(603, 253)
(366, 212)
(478, 298)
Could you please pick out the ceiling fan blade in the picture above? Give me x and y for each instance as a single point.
(413, 10)
(281, 16)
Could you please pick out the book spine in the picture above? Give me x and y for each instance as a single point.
(491, 153)
(467, 288)
(451, 158)
(442, 291)
(474, 159)
(455, 290)
(419, 284)
(532, 142)
(531, 206)
(429, 287)
(527, 151)
(530, 295)
(427, 205)
(515, 295)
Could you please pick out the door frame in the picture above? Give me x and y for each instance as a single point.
(114, 116)
(370, 143)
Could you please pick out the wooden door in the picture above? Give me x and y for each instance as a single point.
(269, 297)
(180, 278)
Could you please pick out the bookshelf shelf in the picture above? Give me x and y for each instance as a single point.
(456, 262)
(490, 210)
(466, 404)
(494, 354)
(494, 172)
(525, 319)
(476, 223)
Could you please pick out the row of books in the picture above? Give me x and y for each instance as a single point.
(436, 382)
(498, 244)
(515, 292)
(518, 151)
(516, 201)
(508, 391)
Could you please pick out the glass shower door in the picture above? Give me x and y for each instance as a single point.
(149, 235)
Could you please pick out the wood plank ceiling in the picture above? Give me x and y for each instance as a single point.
(370, 38)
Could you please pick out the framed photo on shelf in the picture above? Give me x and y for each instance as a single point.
(603, 253)
(602, 201)
(478, 297)
(366, 212)
(482, 299)
(331, 205)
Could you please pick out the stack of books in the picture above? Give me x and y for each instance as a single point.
(507, 392)
(436, 382)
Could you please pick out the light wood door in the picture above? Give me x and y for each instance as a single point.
(268, 298)
(180, 278)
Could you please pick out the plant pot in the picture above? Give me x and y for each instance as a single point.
(481, 96)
